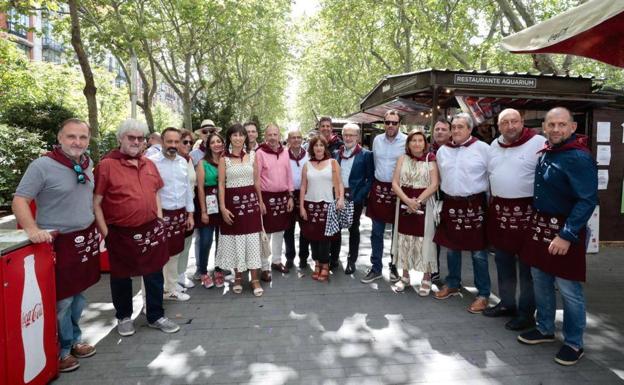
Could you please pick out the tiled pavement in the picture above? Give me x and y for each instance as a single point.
(344, 332)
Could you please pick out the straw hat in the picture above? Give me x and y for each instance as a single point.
(209, 124)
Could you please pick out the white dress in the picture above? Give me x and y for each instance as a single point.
(240, 252)
(417, 253)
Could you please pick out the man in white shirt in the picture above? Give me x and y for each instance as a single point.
(298, 157)
(511, 170)
(154, 144)
(463, 171)
(176, 198)
(387, 148)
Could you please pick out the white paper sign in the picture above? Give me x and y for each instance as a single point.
(593, 231)
(603, 179)
(604, 132)
(603, 156)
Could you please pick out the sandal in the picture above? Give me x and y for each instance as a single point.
(238, 283)
(257, 288)
(425, 288)
(324, 274)
(317, 271)
(402, 284)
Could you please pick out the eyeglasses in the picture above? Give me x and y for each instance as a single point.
(391, 123)
(186, 142)
(132, 138)
(80, 174)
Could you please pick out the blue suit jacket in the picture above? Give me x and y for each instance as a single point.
(362, 175)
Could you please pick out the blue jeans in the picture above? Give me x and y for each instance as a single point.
(205, 243)
(68, 313)
(573, 306)
(377, 238)
(479, 266)
(507, 282)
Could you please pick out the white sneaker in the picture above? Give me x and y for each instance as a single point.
(176, 296)
(185, 282)
(125, 327)
(180, 288)
(165, 324)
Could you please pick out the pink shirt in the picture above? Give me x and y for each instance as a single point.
(275, 172)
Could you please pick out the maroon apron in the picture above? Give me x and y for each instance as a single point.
(412, 223)
(277, 217)
(543, 228)
(314, 228)
(77, 261)
(137, 251)
(381, 202)
(507, 223)
(462, 223)
(213, 219)
(175, 226)
(244, 204)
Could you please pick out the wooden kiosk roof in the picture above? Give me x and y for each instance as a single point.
(419, 91)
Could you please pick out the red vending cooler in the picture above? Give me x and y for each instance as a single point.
(28, 335)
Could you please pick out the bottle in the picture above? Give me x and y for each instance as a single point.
(32, 323)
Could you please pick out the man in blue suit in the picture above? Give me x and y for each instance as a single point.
(357, 172)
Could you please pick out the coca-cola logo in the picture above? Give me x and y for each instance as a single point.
(32, 315)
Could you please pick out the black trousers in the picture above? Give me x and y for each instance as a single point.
(121, 291)
(304, 246)
(354, 237)
(320, 251)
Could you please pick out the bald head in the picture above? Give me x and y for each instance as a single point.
(559, 125)
(295, 138)
(510, 125)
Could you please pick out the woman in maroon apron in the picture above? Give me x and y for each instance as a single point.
(208, 217)
(239, 245)
(415, 181)
(320, 182)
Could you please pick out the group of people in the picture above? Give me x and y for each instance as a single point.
(526, 196)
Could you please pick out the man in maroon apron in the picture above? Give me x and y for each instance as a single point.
(61, 183)
(298, 157)
(176, 198)
(276, 183)
(129, 215)
(511, 169)
(440, 136)
(387, 148)
(356, 172)
(463, 172)
(566, 184)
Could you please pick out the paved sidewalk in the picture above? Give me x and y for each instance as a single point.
(344, 332)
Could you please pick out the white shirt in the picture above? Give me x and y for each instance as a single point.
(320, 184)
(386, 153)
(196, 155)
(346, 165)
(177, 192)
(463, 170)
(296, 171)
(153, 150)
(511, 170)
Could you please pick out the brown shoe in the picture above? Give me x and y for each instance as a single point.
(280, 267)
(265, 276)
(82, 350)
(68, 364)
(478, 305)
(446, 292)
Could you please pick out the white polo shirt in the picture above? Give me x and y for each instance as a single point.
(463, 170)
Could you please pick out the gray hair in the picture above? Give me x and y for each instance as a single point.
(351, 126)
(131, 125)
(466, 116)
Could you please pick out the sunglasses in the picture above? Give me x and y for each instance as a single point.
(80, 174)
(391, 123)
(133, 138)
(186, 142)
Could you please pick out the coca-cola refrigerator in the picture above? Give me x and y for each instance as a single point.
(28, 335)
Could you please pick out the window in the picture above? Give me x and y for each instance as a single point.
(17, 23)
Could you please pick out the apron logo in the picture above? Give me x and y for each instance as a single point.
(79, 239)
(503, 219)
(84, 259)
(538, 230)
(460, 211)
(497, 207)
(553, 221)
(451, 211)
(88, 249)
(311, 206)
(137, 237)
(166, 219)
(271, 200)
(244, 197)
(517, 208)
(236, 198)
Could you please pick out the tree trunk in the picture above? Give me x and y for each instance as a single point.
(89, 90)
(147, 97)
(187, 108)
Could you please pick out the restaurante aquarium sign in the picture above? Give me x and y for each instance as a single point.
(494, 81)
